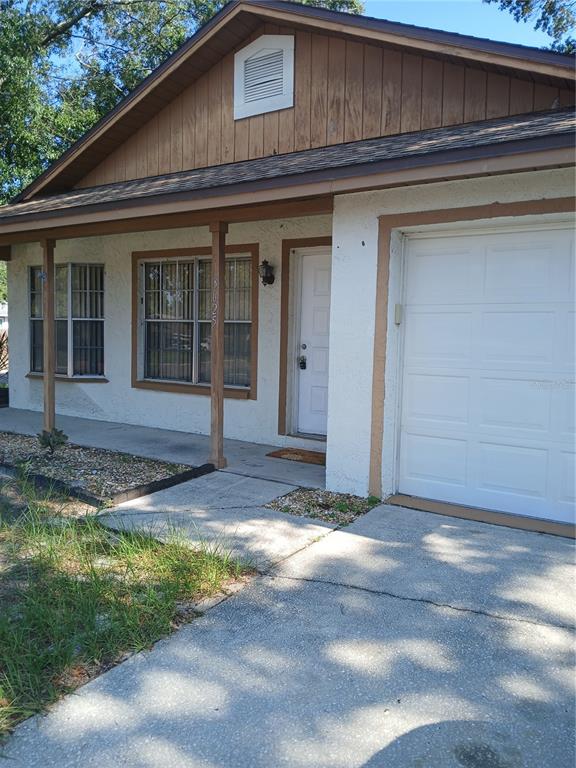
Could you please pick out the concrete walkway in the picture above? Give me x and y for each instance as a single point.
(244, 458)
(406, 640)
(225, 510)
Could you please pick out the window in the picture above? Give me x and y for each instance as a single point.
(176, 324)
(79, 319)
(264, 76)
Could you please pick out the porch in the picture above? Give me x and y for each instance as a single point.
(244, 458)
(184, 331)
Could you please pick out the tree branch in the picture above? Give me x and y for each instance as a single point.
(66, 25)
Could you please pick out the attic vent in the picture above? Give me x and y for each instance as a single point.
(264, 76)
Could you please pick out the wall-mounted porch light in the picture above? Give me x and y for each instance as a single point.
(266, 272)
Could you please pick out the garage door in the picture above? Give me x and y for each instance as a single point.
(487, 409)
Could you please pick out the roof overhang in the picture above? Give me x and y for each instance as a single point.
(237, 20)
(282, 197)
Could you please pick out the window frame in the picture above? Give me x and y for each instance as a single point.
(70, 319)
(251, 250)
(285, 100)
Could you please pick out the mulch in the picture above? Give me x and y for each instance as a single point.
(339, 508)
(97, 472)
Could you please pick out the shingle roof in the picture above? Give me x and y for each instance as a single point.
(355, 158)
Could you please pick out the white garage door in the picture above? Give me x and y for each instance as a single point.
(487, 415)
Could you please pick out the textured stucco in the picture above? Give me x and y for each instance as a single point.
(355, 251)
(254, 420)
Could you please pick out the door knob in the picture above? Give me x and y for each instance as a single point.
(302, 362)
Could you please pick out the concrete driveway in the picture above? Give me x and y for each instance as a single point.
(406, 640)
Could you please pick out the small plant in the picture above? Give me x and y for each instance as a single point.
(53, 439)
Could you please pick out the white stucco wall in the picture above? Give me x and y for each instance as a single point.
(354, 228)
(254, 420)
(355, 251)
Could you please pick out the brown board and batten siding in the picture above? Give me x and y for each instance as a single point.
(344, 91)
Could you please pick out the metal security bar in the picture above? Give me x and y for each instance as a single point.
(79, 319)
(177, 323)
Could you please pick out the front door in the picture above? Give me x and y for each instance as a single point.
(314, 333)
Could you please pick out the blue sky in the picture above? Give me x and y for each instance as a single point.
(469, 17)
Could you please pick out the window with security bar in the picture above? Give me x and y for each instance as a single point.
(79, 319)
(177, 326)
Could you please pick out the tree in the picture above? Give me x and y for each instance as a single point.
(65, 63)
(556, 18)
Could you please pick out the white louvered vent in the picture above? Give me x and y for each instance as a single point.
(264, 76)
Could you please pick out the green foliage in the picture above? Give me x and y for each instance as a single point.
(52, 440)
(3, 282)
(81, 598)
(66, 63)
(556, 18)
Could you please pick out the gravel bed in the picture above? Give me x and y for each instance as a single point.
(339, 508)
(96, 471)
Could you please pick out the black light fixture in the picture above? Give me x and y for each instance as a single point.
(266, 272)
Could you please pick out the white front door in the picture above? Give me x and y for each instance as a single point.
(312, 340)
(488, 372)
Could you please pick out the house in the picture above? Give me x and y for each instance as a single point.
(3, 317)
(310, 226)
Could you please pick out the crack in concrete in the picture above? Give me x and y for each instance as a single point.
(424, 600)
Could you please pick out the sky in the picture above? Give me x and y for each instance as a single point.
(468, 17)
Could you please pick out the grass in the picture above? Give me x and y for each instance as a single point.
(77, 598)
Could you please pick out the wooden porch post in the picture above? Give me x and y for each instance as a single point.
(48, 329)
(219, 230)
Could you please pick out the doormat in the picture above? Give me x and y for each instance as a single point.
(298, 454)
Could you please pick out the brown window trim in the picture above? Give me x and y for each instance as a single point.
(287, 247)
(73, 379)
(181, 387)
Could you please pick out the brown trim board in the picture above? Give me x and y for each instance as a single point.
(521, 522)
(308, 193)
(390, 223)
(234, 393)
(287, 247)
(235, 210)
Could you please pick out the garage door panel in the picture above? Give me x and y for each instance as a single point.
(523, 273)
(445, 275)
(517, 404)
(518, 337)
(512, 469)
(563, 394)
(567, 334)
(434, 459)
(436, 399)
(438, 337)
(487, 409)
(567, 477)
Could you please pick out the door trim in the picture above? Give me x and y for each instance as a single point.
(289, 248)
(398, 224)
